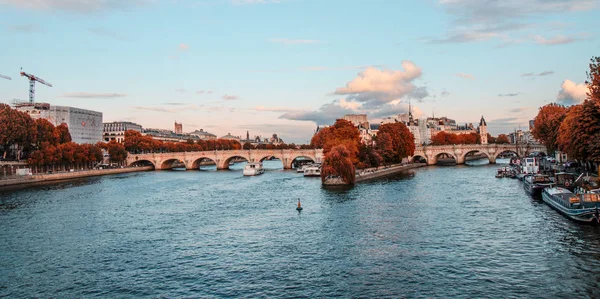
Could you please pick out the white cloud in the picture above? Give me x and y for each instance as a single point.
(557, 40)
(542, 74)
(465, 76)
(229, 97)
(571, 93)
(80, 6)
(373, 92)
(88, 95)
(373, 87)
(482, 20)
(175, 109)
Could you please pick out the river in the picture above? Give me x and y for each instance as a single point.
(433, 232)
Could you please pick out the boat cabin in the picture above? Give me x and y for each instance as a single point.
(530, 165)
(565, 180)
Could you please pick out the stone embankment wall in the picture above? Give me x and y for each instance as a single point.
(24, 181)
(374, 173)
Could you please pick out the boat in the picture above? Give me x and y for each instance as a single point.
(578, 207)
(253, 168)
(312, 171)
(565, 180)
(504, 172)
(301, 168)
(534, 184)
(587, 184)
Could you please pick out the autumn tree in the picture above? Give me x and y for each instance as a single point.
(368, 157)
(45, 132)
(593, 81)
(116, 151)
(63, 133)
(579, 131)
(338, 163)
(490, 138)
(343, 132)
(502, 139)
(547, 122)
(443, 138)
(16, 129)
(402, 141)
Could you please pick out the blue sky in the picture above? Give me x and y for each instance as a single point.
(229, 66)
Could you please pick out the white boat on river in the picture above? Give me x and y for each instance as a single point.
(253, 168)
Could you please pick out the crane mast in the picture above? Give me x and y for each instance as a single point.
(32, 80)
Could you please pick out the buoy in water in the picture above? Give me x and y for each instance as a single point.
(299, 208)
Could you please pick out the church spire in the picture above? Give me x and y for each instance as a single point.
(410, 116)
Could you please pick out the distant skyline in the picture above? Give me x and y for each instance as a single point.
(285, 66)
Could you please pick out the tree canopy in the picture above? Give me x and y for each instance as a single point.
(546, 124)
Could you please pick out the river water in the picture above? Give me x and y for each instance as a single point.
(433, 232)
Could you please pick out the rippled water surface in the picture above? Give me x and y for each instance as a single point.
(435, 232)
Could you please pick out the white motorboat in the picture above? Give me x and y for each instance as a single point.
(253, 168)
(312, 171)
(303, 167)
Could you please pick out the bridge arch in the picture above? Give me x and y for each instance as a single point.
(442, 155)
(507, 151)
(168, 164)
(202, 160)
(293, 160)
(139, 163)
(418, 159)
(271, 156)
(467, 152)
(224, 164)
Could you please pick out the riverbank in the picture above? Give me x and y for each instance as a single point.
(38, 179)
(374, 173)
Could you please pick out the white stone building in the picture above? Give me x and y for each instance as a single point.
(116, 130)
(85, 126)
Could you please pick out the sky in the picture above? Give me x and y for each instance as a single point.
(286, 66)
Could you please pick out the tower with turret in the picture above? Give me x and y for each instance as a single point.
(483, 131)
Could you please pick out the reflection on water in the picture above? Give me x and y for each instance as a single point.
(431, 232)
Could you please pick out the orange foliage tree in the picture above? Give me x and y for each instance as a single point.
(502, 139)
(580, 131)
(338, 163)
(443, 138)
(45, 132)
(401, 139)
(343, 132)
(593, 81)
(63, 133)
(116, 151)
(16, 129)
(547, 122)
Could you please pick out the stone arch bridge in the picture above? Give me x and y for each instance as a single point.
(192, 160)
(460, 151)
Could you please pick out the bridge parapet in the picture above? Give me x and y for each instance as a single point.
(431, 153)
(222, 158)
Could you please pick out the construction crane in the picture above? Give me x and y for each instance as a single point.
(5, 77)
(32, 80)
